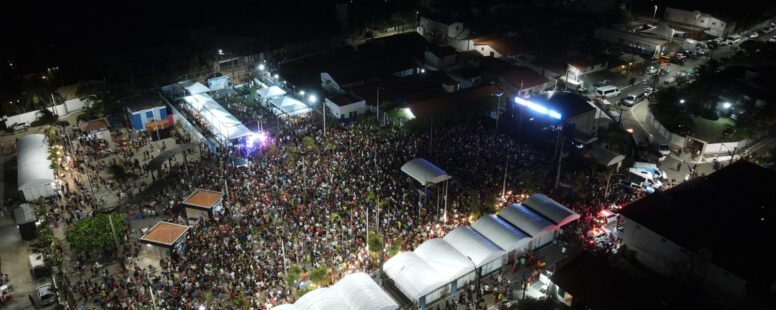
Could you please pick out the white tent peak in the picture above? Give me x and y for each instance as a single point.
(424, 171)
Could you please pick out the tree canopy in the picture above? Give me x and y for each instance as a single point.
(94, 235)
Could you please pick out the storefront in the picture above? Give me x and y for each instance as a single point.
(203, 204)
(162, 240)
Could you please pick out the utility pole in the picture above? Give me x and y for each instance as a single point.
(478, 292)
(378, 104)
(560, 156)
(504, 185)
(323, 110)
(116, 240)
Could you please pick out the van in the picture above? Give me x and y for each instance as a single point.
(38, 267)
(651, 168)
(607, 91)
(644, 176)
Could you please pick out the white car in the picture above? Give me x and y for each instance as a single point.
(648, 91)
(753, 35)
(772, 39)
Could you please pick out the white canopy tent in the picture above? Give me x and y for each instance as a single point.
(485, 254)
(197, 88)
(414, 277)
(285, 307)
(320, 299)
(502, 233)
(35, 176)
(359, 291)
(663, 31)
(287, 105)
(222, 123)
(540, 229)
(447, 261)
(550, 209)
(271, 92)
(424, 171)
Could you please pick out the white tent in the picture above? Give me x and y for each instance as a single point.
(540, 229)
(424, 171)
(414, 277)
(289, 106)
(270, 92)
(484, 253)
(663, 31)
(197, 88)
(447, 261)
(284, 307)
(320, 299)
(221, 123)
(35, 176)
(550, 209)
(503, 234)
(359, 291)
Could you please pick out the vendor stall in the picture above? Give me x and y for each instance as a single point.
(203, 204)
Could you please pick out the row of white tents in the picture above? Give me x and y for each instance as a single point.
(281, 103)
(440, 267)
(35, 177)
(353, 292)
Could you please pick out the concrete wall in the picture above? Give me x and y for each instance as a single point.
(585, 123)
(654, 126)
(655, 252)
(344, 111)
(68, 107)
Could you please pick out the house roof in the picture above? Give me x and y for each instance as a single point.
(726, 214)
(203, 199)
(568, 104)
(553, 66)
(90, 126)
(142, 102)
(442, 50)
(523, 77)
(504, 45)
(475, 96)
(402, 89)
(165, 234)
(344, 99)
(581, 61)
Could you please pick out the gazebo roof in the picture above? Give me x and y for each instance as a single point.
(165, 234)
(203, 199)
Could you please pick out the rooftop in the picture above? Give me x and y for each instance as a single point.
(90, 126)
(165, 234)
(142, 102)
(581, 61)
(203, 199)
(506, 46)
(453, 101)
(568, 104)
(523, 77)
(344, 99)
(726, 213)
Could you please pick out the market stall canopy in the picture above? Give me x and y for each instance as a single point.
(604, 157)
(445, 259)
(271, 92)
(550, 209)
(359, 291)
(165, 234)
(156, 162)
(424, 171)
(197, 88)
(33, 165)
(24, 214)
(412, 275)
(501, 233)
(474, 245)
(525, 219)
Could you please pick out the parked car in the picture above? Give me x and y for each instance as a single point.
(631, 99)
(753, 35)
(772, 39)
(45, 294)
(648, 91)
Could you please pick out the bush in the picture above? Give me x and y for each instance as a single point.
(94, 235)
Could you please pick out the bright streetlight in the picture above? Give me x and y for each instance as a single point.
(312, 98)
(301, 93)
(220, 52)
(681, 101)
(655, 13)
(726, 105)
(261, 67)
(276, 76)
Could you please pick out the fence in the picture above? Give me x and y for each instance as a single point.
(68, 107)
(670, 137)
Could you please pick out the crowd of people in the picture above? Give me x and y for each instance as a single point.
(307, 201)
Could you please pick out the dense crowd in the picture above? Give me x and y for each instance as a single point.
(305, 201)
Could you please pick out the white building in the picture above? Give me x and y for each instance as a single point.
(717, 26)
(35, 176)
(441, 31)
(645, 44)
(345, 106)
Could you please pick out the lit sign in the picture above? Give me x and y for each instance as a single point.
(538, 108)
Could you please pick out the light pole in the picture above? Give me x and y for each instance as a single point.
(498, 106)
(504, 185)
(560, 155)
(655, 12)
(378, 103)
(477, 273)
